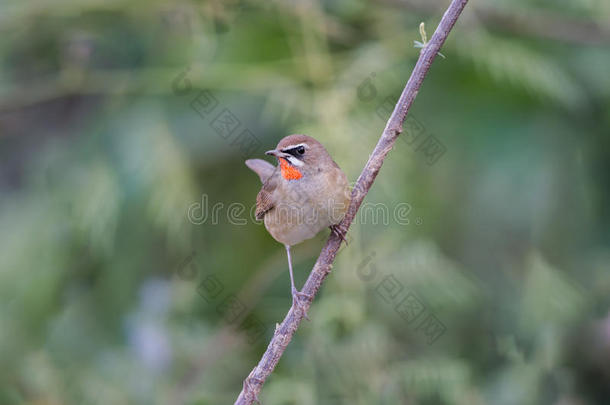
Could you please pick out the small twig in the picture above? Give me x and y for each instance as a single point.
(424, 39)
(284, 331)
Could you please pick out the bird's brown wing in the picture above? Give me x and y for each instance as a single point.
(265, 199)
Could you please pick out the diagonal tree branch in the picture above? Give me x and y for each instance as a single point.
(284, 331)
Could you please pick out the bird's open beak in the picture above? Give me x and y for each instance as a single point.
(276, 153)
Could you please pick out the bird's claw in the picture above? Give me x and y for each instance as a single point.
(337, 230)
(296, 301)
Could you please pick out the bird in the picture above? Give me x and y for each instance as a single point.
(307, 194)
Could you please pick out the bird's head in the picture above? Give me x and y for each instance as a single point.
(300, 155)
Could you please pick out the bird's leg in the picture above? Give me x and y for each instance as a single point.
(337, 230)
(296, 294)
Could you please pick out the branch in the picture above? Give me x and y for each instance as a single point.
(284, 331)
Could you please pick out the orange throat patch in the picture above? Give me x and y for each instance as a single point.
(289, 172)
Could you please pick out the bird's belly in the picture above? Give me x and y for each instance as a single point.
(306, 211)
(291, 225)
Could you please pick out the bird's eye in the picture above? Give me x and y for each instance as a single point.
(300, 150)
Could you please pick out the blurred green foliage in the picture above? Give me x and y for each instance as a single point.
(109, 294)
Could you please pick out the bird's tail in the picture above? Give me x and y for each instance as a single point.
(261, 167)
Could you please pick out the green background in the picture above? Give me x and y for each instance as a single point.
(109, 294)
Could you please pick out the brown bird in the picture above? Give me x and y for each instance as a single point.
(308, 193)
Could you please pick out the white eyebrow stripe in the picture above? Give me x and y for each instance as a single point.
(295, 146)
